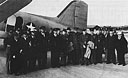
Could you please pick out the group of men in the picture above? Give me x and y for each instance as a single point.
(27, 50)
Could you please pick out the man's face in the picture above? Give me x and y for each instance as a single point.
(58, 32)
(98, 32)
(17, 32)
(16, 37)
(111, 34)
(54, 32)
(24, 35)
(63, 32)
(84, 32)
(41, 30)
(115, 33)
(119, 36)
(94, 31)
(105, 32)
(68, 31)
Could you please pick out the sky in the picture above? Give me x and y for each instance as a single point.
(100, 12)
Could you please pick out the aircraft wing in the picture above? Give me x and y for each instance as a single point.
(9, 7)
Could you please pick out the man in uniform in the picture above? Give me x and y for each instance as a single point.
(54, 41)
(14, 58)
(70, 46)
(24, 44)
(63, 47)
(42, 36)
(33, 53)
(76, 45)
(7, 45)
(99, 47)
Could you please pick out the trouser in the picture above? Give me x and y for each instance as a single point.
(8, 60)
(121, 57)
(15, 64)
(25, 63)
(63, 59)
(70, 57)
(99, 56)
(31, 64)
(42, 60)
(76, 57)
(111, 57)
(93, 57)
(55, 59)
(82, 57)
(8, 56)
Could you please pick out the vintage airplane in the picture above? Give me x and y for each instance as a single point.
(73, 15)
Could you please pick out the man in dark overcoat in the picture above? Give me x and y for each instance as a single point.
(42, 37)
(14, 58)
(110, 46)
(121, 49)
(54, 44)
(24, 44)
(63, 47)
